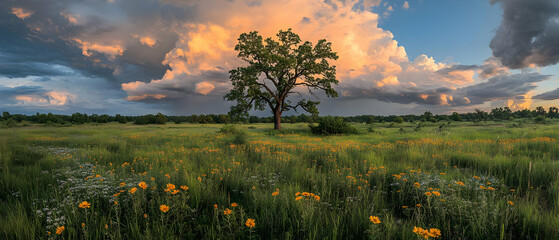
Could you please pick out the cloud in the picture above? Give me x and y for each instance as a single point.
(528, 34)
(209, 47)
(516, 88)
(551, 95)
(406, 5)
(204, 88)
(34, 96)
(110, 50)
(21, 13)
(150, 42)
(171, 53)
(492, 67)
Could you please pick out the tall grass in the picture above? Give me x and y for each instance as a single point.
(469, 181)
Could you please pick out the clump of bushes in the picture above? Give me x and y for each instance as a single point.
(151, 119)
(239, 136)
(539, 119)
(229, 129)
(331, 126)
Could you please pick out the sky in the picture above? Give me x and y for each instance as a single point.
(138, 57)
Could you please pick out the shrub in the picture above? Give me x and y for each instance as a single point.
(239, 136)
(332, 125)
(10, 122)
(229, 129)
(371, 128)
(539, 119)
(418, 127)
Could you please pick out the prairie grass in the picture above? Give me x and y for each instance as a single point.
(470, 181)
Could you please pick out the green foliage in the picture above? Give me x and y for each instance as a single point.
(229, 129)
(275, 68)
(151, 119)
(239, 136)
(399, 120)
(539, 119)
(456, 117)
(331, 126)
(46, 172)
(371, 128)
(10, 123)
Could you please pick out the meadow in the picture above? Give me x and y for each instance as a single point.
(486, 180)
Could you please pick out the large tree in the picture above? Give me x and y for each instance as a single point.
(275, 69)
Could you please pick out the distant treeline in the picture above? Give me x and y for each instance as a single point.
(496, 114)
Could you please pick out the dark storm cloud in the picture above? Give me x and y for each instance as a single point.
(25, 47)
(12, 70)
(496, 88)
(183, 87)
(446, 71)
(46, 37)
(490, 67)
(551, 95)
(501, 87)
(8, 92)
(528, 34)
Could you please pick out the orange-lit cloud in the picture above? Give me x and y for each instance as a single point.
(110, 50)
(145, 96)
(150, 42)
(57, 98)
(72, 19)
(51, 98)
(204, 88)
(460, 77)
(21, 13)
(365, 50)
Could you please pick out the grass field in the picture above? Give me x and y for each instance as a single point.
(493, 180)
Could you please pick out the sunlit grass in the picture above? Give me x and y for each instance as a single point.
(470, 181)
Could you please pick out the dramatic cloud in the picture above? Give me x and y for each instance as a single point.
(176, 55)
(34, 96)
(528, 34)
(515, 89)
(369, 55)
(551, 95)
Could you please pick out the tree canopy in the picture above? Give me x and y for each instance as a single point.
(275, 68)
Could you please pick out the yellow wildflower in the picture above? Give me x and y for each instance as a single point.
(374, 219)
(164, 208)
(170, 187)
(250, 223)
(84, 204)
(227, 211)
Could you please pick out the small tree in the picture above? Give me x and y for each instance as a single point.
(456, 117)
(275, 68)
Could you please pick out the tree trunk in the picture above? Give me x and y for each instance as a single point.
(277, 120)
